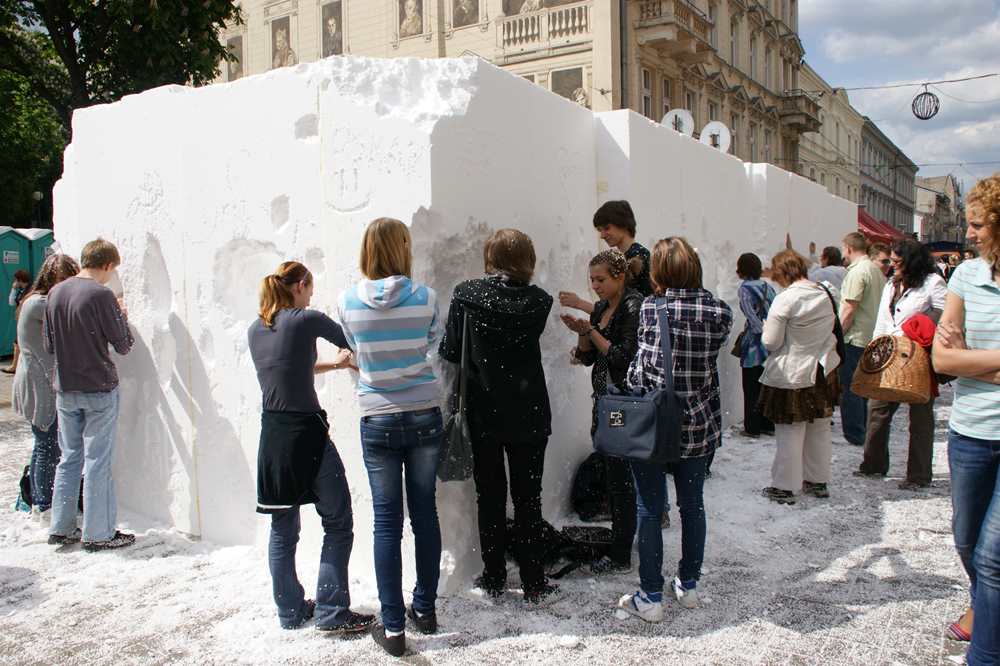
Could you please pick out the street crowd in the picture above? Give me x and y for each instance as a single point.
(799, 350)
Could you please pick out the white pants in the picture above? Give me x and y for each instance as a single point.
(803, 452)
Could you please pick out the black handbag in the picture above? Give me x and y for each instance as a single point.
(455, 458)
(646, 427)
(838, 329)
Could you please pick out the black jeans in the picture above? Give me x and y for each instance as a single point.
(526, 461)
(753, 421)
(621, 496)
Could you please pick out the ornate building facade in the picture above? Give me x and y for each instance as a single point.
(830, 156)
(736, 61)
(888, 179)
(940, 215)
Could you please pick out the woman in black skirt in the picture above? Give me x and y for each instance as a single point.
(297, 463)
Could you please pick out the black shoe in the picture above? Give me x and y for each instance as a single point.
(546, 592)
(778, 495)
(119, 540)
(815, 489)
(64, 539)
(394, 645)
(606, 565)
(749, 435)
(308, 610)
(913, 485)
(355, 624)
(862, 474)
(425, 624)
(491, 587)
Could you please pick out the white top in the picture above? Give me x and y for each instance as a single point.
(927, 299)
(798, 333)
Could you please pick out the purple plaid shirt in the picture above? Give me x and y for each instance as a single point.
(699, 326)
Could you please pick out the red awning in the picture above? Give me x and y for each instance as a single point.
(875, 231)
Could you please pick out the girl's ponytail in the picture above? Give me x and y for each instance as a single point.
(276, 290)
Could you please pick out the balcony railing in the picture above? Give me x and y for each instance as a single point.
(546, 28)
(799, 111)
(677, 26)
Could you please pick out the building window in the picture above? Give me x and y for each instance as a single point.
(836, 186)
(647, 93)
(767, 68)
(691, 102)
(822, 179)
(713, 35)
(734, 43)
(793, 15)
(713, 111)
(753, 142)
(812, 174)
(838, 137)
(753, 58)
(734, 130)
(666, 95)
(767, 145)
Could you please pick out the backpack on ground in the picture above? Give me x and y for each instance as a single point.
(24, 502)
(566, 550)
(589, 496)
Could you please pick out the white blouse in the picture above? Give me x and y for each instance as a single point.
(926, 299)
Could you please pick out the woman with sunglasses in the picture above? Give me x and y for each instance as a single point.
(915, 288)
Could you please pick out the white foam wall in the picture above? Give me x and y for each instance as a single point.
(206, 190)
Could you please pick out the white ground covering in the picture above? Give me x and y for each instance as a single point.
(867, 577)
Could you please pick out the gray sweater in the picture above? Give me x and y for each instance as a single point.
(81, 319)
(33, 396)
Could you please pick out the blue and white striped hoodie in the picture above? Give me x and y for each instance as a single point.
(392, 324)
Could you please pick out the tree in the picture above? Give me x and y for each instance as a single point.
(76, 53)
(31, 145)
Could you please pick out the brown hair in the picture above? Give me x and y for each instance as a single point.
(511, 253)
(276, 290)
(986, 195)
(386, 249)
(856, 241)
(616, 263)
(788, 266)
(99, 253)
(57, 267)
(876, 249)
(22, 275)
(675, 265)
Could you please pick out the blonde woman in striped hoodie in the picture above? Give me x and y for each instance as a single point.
(391, 324)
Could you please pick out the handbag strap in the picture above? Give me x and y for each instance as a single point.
(462, 369)
(668, 354)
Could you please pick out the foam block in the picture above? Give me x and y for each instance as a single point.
(206, 190)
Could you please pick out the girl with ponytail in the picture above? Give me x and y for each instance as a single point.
(297, 462)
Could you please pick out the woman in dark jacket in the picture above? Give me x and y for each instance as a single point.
(608, 343)
(507, 405)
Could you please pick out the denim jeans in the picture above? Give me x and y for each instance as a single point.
(44, 458)
(88, 423)
(975, 499)
(333, 504)
(650, 493)
(853, 408)
(405, 444)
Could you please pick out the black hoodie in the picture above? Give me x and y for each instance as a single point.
(507, 397)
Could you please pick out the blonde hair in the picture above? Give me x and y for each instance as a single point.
(386, 249)
(986, 195)
(616, 263)
(510, 252)
(675, 265)
(276, 290)
(99, 253)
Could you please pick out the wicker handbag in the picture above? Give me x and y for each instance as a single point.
(893, 369)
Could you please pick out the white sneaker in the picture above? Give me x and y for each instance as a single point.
(686, 598)
(45, 518)
(639, 605)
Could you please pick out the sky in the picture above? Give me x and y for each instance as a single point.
(876, 42)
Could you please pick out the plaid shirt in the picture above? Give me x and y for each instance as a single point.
(699, 326)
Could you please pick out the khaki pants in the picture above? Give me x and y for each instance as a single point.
(803, 453)
(919, 460)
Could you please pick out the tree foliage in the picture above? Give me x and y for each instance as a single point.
(31, 144)
(75, 53)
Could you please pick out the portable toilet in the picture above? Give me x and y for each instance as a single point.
(40, 247)
(15, 250)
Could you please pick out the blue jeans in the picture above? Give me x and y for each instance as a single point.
(405, 443)
(650, 495)
(975, 499)
(88, 423)
(333, 504)
(853, 408)
(44, 458)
